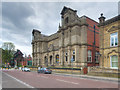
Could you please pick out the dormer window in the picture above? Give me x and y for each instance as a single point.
(66, 20)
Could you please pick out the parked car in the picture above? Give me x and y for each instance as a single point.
(26, 69)
(45, 71)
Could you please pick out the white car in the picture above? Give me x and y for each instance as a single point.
(26, 69)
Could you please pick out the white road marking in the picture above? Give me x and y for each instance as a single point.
(89, 79)
(19, 80)
(44, 77)
(67, 81)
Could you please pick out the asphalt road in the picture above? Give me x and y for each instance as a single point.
(11, 82)
(35, 80)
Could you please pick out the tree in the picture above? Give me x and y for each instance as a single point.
(8, 49)
(8, 46)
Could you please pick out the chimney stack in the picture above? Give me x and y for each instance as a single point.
(102, 18)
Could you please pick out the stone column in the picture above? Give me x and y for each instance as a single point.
(60, 59)
(77, 54)
(32, 53)
(48, 59)
(36, 53)
(63, 56)
(69, 47)
(53, 59)
(83, 56)
(62, 47)
(69, 55)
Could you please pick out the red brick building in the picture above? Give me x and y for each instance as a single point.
(93, 43)
(27, 61)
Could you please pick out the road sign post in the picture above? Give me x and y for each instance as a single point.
(72, 63)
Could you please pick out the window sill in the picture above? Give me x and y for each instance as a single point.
(96, 62)
(114, 67)
(114, 46)
(89, 61)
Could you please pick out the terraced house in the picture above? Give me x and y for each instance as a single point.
(76, 42)
(110, 42)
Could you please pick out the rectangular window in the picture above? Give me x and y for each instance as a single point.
(66, 20)
(73, 55)
(96, 56)
(66, 57)
(114, 39)
(114, 61)
(89, 56)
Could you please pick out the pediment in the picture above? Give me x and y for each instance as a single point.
(113, 28)
(65, 9)
(112, 52)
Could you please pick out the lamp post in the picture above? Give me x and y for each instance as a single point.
(72, 63)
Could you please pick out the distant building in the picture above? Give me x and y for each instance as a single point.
(18, 58)
(110, 42)
(27, 61)
(76, 38)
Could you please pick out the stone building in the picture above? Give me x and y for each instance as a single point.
(77, 39)
(109, 42)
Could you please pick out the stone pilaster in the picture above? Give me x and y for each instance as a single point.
(69, 55)
(63, 48)
(83, 52)
(101, 45)
(83, 56)
(77, 54)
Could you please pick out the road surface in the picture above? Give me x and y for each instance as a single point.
(21, 79)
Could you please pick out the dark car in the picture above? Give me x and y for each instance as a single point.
(45, 71)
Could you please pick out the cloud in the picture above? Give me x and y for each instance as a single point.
(19, 19)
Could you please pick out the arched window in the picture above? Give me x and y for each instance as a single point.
(66, 57)
(50, 59)
(46, 61)
(57, 58)
(114, 61)
(73, 55)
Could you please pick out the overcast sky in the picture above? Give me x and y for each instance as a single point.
(20, 18)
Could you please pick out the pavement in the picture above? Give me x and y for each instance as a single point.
(91, 77)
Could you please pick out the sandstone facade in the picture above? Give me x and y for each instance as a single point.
(107, 30)
(70, 41)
